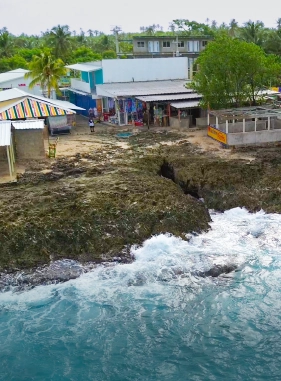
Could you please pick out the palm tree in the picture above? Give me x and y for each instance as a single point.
(253, 32)
(46, 70)
(233, 26)
(6, 43)
(60, 39)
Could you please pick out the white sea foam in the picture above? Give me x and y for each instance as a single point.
(237, 237)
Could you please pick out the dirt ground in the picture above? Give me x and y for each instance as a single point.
(81, 140)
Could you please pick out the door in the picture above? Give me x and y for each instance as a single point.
(150, 46)
(153, 46)
(156, 47)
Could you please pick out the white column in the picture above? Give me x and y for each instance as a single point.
(217, 122)
(244, 125)
(208, 118)
(255, 124)
(226, 126)
(269, 122)
(233, 121)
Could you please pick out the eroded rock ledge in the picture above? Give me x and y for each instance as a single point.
(93, 207)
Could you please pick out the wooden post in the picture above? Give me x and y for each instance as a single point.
(208, 118)
(11, 158)
(9, 162)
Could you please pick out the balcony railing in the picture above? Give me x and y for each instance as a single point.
(77, 84)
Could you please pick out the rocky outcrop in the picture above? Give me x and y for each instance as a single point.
(93, 207)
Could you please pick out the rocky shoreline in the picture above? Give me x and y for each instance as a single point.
(92, 207)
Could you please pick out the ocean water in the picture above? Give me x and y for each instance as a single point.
(156, 319)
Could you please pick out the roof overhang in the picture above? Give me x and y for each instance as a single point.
(29, 125)
(186, 104)
(168, 97)
(84, 67)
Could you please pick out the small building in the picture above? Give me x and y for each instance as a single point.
(154, 102)
(26, 117)
(14, 79)
(245, 126)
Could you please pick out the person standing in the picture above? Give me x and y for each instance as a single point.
(92, 125)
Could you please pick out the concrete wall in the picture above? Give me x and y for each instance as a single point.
(203, 121)
(252, 138)
(3, 153)
(176, 123)
(145, 69)
(238, 126)
(29, 144)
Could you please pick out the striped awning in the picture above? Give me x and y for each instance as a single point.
(30, 108)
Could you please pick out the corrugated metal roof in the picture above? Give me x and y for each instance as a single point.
(84, 67)
(14, 93)
(12, 74)
(29, 125)
(5, 133)
(142, 88)
(185, 104)
(168, 97)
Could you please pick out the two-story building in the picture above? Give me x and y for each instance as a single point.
(82, 91)
(119, 88)
(170, 46)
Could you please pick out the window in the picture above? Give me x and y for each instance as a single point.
(181, 44)
(204, 43)
(140, 44)
(193, 46)
(166, 44)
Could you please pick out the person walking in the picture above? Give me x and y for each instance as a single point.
(92, 125)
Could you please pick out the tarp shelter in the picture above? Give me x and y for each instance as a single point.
(6, 141)
(17, 104)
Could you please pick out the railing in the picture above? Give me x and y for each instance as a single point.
(77, 84)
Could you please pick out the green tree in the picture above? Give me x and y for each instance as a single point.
(6, 43)
(109, 54)
(60, 41)
(232, 72)
(272, 44)
(193, 28)
(253, 32)
(85, 54)
(47, 70)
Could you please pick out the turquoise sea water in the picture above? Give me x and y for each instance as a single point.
(155, 319)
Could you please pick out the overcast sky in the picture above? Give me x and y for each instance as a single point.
(34, 16)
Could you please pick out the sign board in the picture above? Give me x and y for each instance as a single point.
(217, 135)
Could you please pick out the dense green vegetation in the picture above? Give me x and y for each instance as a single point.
(72, 47)
(233, 72)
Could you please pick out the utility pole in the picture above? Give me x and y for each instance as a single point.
(116, 30)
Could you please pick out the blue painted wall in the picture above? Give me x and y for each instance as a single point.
(85, 76)
(98, 77)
